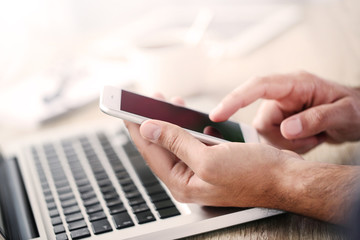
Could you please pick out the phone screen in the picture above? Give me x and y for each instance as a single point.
(181, 116)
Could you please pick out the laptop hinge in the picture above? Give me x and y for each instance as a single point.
(18, 217)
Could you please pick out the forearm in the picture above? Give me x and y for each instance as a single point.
(319, 190)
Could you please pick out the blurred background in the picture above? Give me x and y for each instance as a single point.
(56, 55)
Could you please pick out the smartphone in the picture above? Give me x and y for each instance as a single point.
(137, 108)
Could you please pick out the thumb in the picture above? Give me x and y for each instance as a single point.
(173, 138)
(311, 121)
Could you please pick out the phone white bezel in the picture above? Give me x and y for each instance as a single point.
(110, 100)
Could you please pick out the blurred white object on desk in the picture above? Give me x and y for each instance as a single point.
(41, 98)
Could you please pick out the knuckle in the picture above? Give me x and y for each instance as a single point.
(352, 107)
(318, 117)
(259, 123)
(180, 197)
(308, 78)
(258, 79)
(208, 166)
(303, 74)
(205, 172)
(183, 194)
(173, 141)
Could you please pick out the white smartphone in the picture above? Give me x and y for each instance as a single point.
(137, 108)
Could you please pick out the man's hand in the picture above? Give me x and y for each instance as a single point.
(244, 174)
(301, 110)
(229, 174)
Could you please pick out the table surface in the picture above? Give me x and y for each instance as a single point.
(325, 42)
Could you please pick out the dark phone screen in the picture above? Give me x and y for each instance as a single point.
(181, 116)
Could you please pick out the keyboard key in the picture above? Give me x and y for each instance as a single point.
(122, 175)
(168, 212)
(129, 188)
(136, 201)
(132, 194)
(163, 204)
(122, 220)
(93, 208)
(104, 183)
(101, 226)
(144, 217)
(74, 217)
(140, 208)
(64, 190)
(68, 203)
(49, 199)
(61, 236)
(80, 233)
(130, 149)
(51, 205)
(54, 213)
(47, 192)
(157, 188)
(82, 182)
(144, 173)
(56, 221)
(77, 225)
(86, 188)
(59, 229)
(118, 167)
(67, 196)
(80, 176)
(90, 202)
(113, 202)
(117, 209)
(101, 176)
(96, 167)
(126, 181)
(159, 197)
(111, 196)
(72, 209)
(87, 195)
(107, 189)
(45, 185)
(96, 216)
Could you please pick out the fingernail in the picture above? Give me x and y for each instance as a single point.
(293, 127)
(150, 131)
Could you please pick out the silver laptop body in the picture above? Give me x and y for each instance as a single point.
(92, 183)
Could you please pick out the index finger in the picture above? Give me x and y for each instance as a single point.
(269, 87)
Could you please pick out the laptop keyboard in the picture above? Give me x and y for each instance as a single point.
(82, 211)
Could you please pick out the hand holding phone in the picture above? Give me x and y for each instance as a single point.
(137, 108)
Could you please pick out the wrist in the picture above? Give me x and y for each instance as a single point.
(281, 183)
(320, 190)
(290, 185)
(287, 185)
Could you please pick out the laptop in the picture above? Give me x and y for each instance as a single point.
(92, 183)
